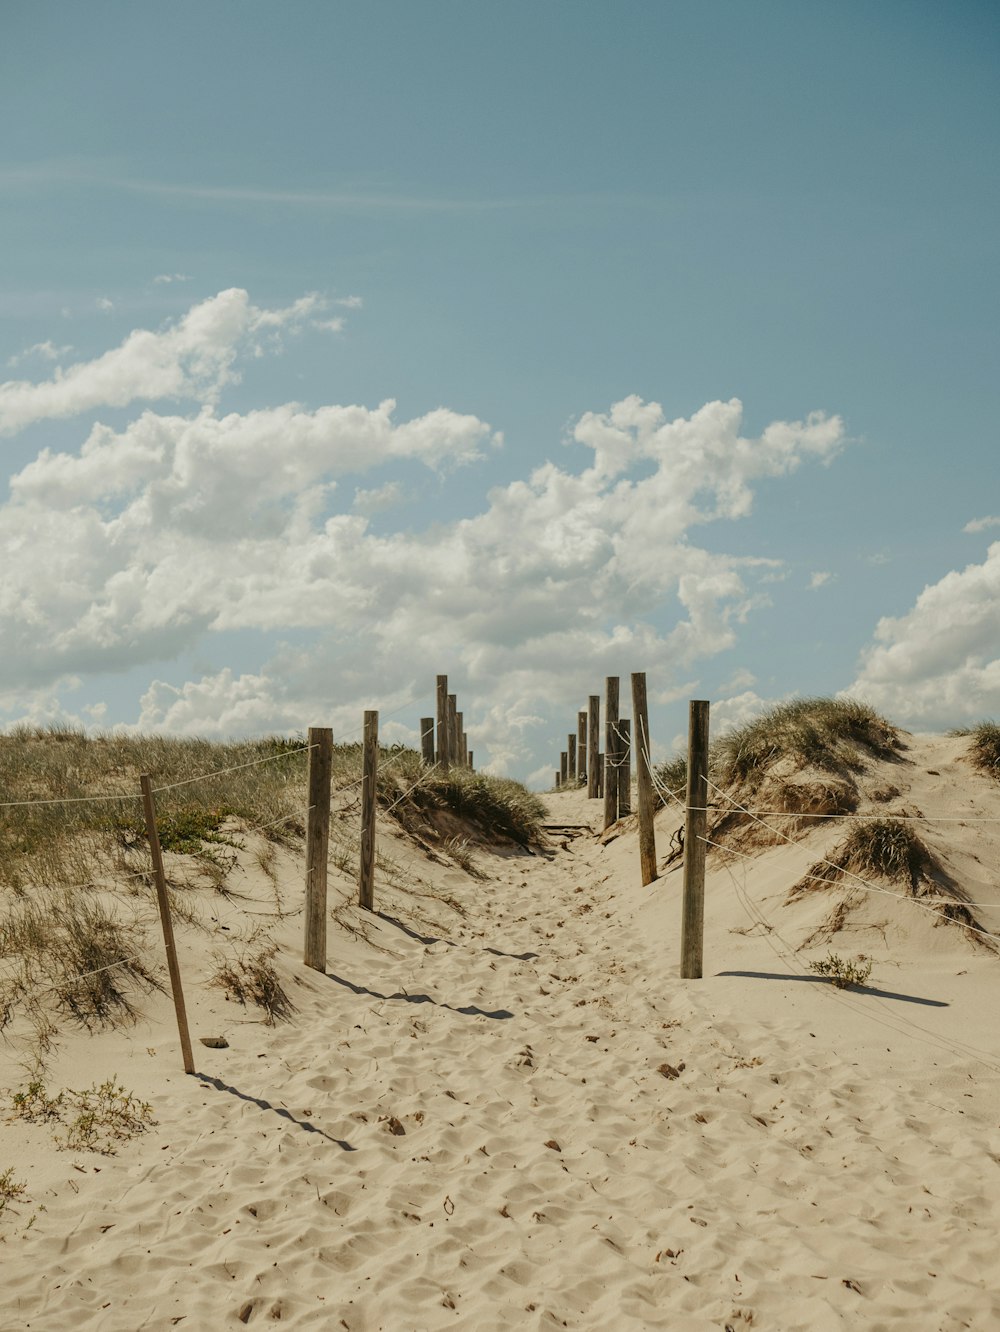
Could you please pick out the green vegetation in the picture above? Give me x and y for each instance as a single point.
(985, 747)
(98, 1119)
(842, 973)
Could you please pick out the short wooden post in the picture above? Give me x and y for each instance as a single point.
(571, 759)
(594, 762)
(317, 845)
(427, 740)
(443, 747)
(644, 779)
(563, 766)
(163, 902)
(460, 745)
(472, 767)
(581, 748)
(366, 868)
(558, 780)
(624, 767)
(610, 750)
(600, 776)
(695, 829)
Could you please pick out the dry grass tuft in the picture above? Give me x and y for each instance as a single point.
(984, 749)
(250, 977)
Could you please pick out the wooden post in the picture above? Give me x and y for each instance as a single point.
(695, 828)
(471, 764)
(594, 763)
(427, 740)
(610, 750)
(466, 752)
(460, 745)
(644, 779)
(317, 845)
(571, 759)
(366, 868)
(563, 766)
(600, 776)
(454, 749)
(163, 902)
(624, 767)
(558, 780)
(443, 748)
(582, 775)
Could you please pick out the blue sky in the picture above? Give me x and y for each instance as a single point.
(225, 224)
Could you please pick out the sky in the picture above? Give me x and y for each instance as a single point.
(345, 344)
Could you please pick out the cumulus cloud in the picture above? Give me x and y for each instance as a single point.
(163, 279)
(191, 358)
(820, 578)
(940, 663)
(175, 528)
(981, 524)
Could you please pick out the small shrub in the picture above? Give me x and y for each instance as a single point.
(11, 1190)
(250, 977)
(842, 973)
(97, 1119)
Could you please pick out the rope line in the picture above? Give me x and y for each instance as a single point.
(238, 767)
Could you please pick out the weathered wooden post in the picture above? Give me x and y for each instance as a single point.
(644, 778)
(610, 750)
(594, 764)
(563, 767)
(460, 745)
(695, 828)
(366, 869)
(624, 767)
(163, 902)
(558, 780)
(443, 747)
(582, 771)
(571, 759)
(317, 845)
(427, 740)
(454, 748)
(601, 764)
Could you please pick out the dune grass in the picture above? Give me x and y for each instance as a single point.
(831, 734)
(984, 747)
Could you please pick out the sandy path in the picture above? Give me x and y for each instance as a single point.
(581, 1141)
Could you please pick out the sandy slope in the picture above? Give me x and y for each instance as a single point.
(582, 1140)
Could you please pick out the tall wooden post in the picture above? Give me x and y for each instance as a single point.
(427, 740)
(695, 829)
(644, 778)
(582, 772)
(563, 767)
(454, 750)
(460, 745)
(610, 750)
(317, 845)
(593, 746)
(571, 759)
(443, 747)
(366, 869)
(624, 767)
(163, 902)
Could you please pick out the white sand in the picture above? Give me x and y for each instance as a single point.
(589, 1141)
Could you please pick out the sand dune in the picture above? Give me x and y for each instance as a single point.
(501, 1108)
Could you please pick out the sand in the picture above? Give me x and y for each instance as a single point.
(501, 1108)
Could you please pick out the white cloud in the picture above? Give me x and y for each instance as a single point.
(192, 359)
(939, 664)
(329, 325)
(47, 350)
(162, 279)
(375, 501)
(104, 303)
(821, 578)
(981, 524)
(175, 528)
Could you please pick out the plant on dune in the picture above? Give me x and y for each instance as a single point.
(984, 749)
(250, 977)
(880, 848)
(842, 973)
(97, 1119)
(11, 1190)
(827, 733)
